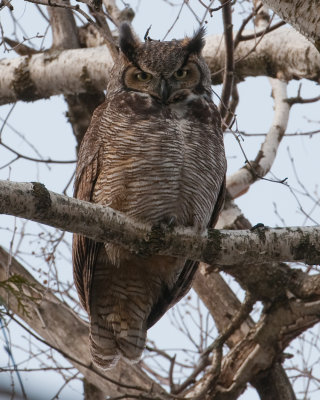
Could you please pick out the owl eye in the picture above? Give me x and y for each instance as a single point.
(143, 76)
(180, 74)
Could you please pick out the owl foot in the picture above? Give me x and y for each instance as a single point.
(168, 223)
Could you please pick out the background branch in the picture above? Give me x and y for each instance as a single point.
(281, 53)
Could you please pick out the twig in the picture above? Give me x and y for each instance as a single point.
(4, 121)
(309, 133)
(21, 48)
(300, 100)
(217, 345)
(175, 21)
(8, 350)
(204, 361)
(230, 118)
(229, 59)
(65, 383)
(171, 369)
(244, 24)
(160, 378)
(6, 3)
(47, 161)
(263, 32)
(101, 25)
(237, 320)
(212, 10)
(9, 162)
(42, 13)
(51, 3)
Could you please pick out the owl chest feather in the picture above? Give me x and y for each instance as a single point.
(160, 161)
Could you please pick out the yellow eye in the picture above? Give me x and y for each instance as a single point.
(143, 76)
(180, 74)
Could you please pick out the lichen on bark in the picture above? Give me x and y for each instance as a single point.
(306, 251)
(41, 197)
(213, 246)
(23, 86)
(87, 81)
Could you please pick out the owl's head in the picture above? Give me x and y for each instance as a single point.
(167, 71)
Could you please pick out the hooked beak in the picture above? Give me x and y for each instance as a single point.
(164, 90)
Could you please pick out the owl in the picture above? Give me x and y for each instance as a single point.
(154, 151)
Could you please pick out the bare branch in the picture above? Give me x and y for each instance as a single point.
(20, 48)
(283, 52)
(33, 201)
(39, 160)
(267, 29)
(300, 100)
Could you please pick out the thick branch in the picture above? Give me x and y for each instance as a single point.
(64, 29)
(64, 72)
(33, 201)
(260, 349)
(282, 53)
(304, 16)
(65, 36)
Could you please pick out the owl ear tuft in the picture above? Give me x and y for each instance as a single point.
(127, 41)
(197, 42)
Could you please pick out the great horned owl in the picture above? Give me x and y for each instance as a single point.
(154, 151)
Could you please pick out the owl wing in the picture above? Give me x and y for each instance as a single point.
(84, 250)
(170, 296)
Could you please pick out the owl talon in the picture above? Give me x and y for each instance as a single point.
(168, 223)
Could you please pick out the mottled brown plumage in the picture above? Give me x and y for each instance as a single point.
(154, 151)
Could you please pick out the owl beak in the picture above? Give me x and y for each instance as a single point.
(164, 91)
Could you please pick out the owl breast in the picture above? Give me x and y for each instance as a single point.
(161, 161)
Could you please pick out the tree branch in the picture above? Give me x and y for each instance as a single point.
(65, 35)
(304, 16)
(271, 382)
(260, 349)
(33, 201)
(223, 304)
(282, 53)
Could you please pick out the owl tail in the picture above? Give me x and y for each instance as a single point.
(112, 337)
(118, 310)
